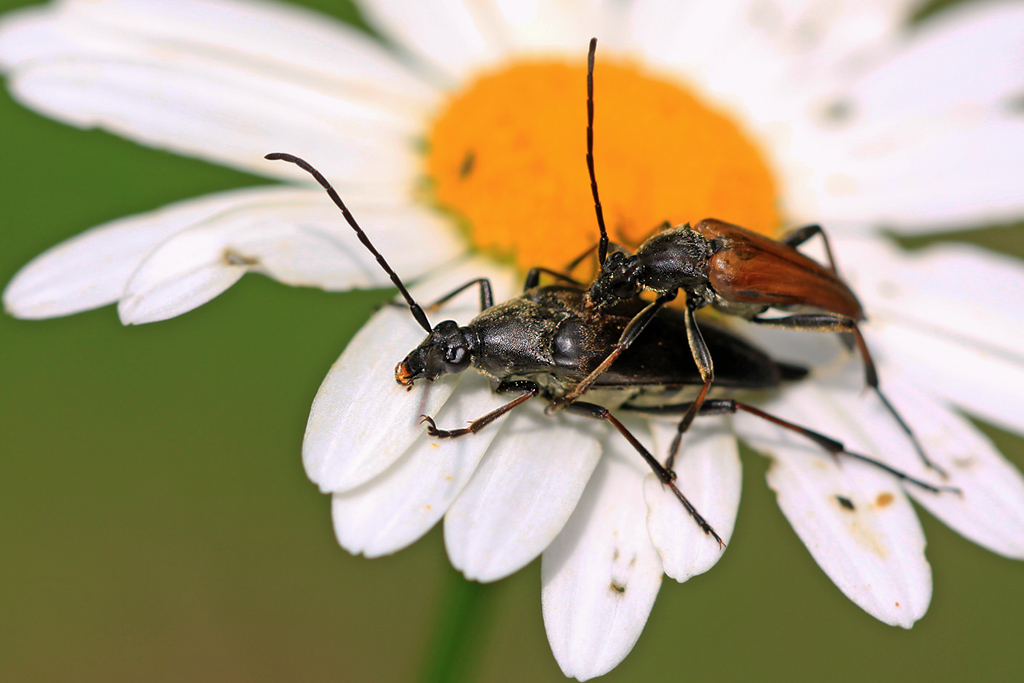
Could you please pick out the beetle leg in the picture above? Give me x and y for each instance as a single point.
(702, 357)
(810, 322)
(824, 322)
(871, 379)
(533, 277)
(532, 389)
(666, 476)
(801, 235)
(486, 297)
(723, 406)
(629, 335)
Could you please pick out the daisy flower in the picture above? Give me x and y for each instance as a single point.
(460, 149)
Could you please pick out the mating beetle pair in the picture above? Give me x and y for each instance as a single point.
(561, 341)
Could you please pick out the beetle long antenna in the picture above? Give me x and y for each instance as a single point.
(417, 312)
(602, 247)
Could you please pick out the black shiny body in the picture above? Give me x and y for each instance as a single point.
(548, 335)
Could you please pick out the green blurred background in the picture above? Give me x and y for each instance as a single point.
(156, 523)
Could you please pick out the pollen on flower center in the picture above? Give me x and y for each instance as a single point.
(508, 155)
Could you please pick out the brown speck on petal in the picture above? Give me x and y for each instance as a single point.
(845, 503)
(884, 500)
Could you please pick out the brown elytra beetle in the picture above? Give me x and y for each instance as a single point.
(732, 269)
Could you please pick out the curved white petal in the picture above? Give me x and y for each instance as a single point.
(600, 577)
(960, 63)
(929, 137)
(231, 92)
(295, 236)
(395, 508)
(990, 511)
(92, 269)
(757, 58)
(455, 37)
(562, 26)
(915, 175)
(521, 495)
(710, 475)
(362, 421)
(853, 517)
(860, 529)
(951, 316)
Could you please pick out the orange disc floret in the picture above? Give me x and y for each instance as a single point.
(507, 155)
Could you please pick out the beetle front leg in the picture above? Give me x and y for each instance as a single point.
(801, 235)
(702, 357)
(629, 335)
(531, 388)
(667, 476)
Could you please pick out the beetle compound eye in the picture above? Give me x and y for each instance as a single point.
(456, 358)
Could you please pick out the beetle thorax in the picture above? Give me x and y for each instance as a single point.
(674, 259)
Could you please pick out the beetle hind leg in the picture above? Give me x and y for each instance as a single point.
(667, 476)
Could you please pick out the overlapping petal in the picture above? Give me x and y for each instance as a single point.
(600, 577)
(950, 317)
(93, 268)
(710, 475)
(224, 81)
(362, 421)
(398, 506)
(522, 494)
(296, 237)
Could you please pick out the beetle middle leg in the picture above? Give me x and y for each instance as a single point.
(801, 235)
(531, 389)
(629, 335)
(835, 448)
(824, 322)
(667, 476)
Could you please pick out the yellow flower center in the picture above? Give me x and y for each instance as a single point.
(507, 155)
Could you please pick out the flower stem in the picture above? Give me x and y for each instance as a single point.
(459, 630)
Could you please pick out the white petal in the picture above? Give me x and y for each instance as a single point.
(453, 36)
(710, 475)
(920, 174)
(521, 495)
(362, 421)
(959, 63)
(928, 136)
(398, 506)
(874, 553)
(295, 236)
(225, 94)
(853, 517)
(745, 55)
(990, 510)
(959, 340)
(600, 577)
(278, 37)
(561, 26)
(92, 269)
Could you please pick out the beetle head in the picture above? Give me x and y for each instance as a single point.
(618, 279)
(448, 349)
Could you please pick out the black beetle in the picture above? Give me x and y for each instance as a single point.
(547, 340)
